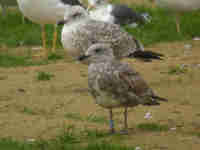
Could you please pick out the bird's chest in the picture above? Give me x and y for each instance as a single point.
(102, 97)
(74, 39)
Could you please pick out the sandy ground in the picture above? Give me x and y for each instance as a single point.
(41, 109)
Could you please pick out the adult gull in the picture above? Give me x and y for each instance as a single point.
(116, 13)
(178, 6)
(46, 12)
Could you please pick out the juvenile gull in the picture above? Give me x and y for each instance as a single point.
(115, 13)
(80, 32)
(114, 84)
(46, 12)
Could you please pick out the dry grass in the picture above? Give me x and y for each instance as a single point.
(38, 109)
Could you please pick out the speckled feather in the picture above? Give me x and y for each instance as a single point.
(88, 32)
(115, 84)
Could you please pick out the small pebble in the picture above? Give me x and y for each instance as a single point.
(37, 48)
(196, 38)
(138, 148)
(31, 140)
(172, 129)
(187, 46)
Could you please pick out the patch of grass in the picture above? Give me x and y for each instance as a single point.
(28, 111)
(196, 134)
(161, 29)
(9, 60)
(94, 134)
(96, 119)
(68, 137)
(152, 127)
(74, 116)
(20, 33)
(54, 57)
(176, 70)
(59, 144)
(107, 146)
(44, 76)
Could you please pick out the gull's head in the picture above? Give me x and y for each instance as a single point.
(98, 53)
(73, 13)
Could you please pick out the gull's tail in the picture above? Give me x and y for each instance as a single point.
(147, 55)
(143, 54)
(155, 100)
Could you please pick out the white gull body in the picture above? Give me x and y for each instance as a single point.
(43, 11)
(46, 12)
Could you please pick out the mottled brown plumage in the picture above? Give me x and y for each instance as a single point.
(80, 32)
(115, 84)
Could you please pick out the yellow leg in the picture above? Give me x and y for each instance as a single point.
(54, 38)
(44, 46)
(153, 3)
(43, 53)
(178, 23)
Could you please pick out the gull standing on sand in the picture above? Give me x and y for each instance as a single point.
(114, 84)
(80, 32)
(46, 12)
(116, 13)
(178, 6)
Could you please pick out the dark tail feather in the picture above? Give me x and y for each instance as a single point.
(160, 98)
(146, 55)
(155, 101)
(151, 103)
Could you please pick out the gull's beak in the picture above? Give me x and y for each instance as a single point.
(83, 57)
(62, 22)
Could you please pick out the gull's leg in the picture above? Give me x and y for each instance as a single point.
(178, 22)
(55, 34)
(125, 130)
(153, 3)
(45, 52)
(111, 121)
(3, 10)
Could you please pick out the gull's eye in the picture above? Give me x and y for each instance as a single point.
(98, 50)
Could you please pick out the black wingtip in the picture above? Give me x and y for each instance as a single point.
(146, 55)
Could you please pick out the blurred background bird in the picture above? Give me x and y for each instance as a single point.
(121, 14)
(46, 12)
(178, 7)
